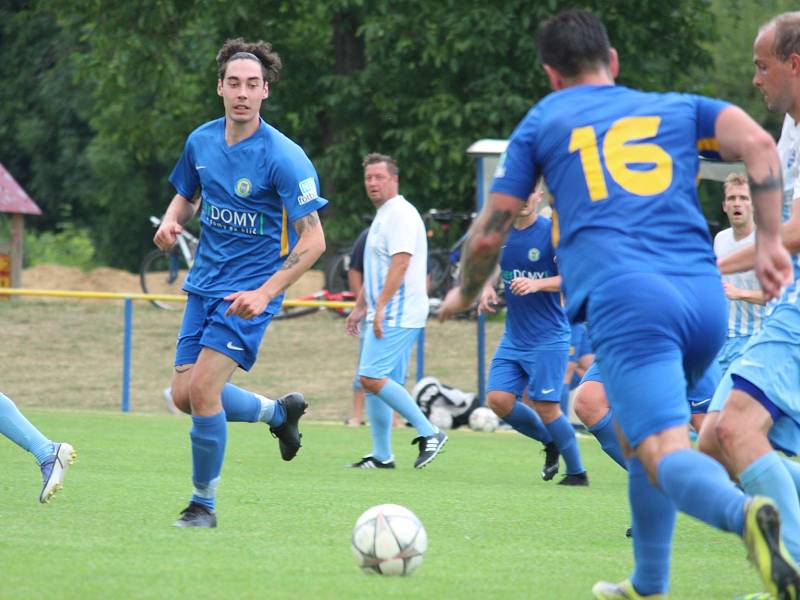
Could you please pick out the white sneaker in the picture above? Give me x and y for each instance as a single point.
(54, 469)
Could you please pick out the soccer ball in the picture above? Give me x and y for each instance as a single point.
(441, 417)
(389, 539)
(483, 419)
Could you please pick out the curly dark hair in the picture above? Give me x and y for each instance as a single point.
(261, 51)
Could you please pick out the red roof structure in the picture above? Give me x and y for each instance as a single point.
(13, 199)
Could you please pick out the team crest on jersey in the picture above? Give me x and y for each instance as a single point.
(308, 191)
(243, 187)
(533, 254)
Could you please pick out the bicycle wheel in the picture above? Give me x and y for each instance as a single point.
(163, 273)
(439, 272)
(336, 273)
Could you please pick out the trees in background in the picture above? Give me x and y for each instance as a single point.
(99, 96)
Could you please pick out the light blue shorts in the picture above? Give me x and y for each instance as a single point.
(388, 356)
(541, 370)
(771, 362)
(731, 350)
(205, 325)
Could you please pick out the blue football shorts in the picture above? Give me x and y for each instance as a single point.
(652, 334)
(541, 370)
(699, 395)
(771, 363)
(206, 326)
(388, 356)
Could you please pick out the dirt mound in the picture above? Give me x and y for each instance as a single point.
(106, 279)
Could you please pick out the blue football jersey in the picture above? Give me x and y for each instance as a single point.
(622, 166)
(533, 318)
(251, 192)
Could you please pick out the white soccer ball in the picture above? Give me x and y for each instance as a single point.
(389, 539)
(483, 419)
(441, 417)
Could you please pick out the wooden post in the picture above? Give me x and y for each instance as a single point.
(17, 231)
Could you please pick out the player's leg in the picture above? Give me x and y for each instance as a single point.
(208, 435)
(357, 413)
(53, 458)
(380, 359)
(591, 407)
(642, 353)
(545, 368)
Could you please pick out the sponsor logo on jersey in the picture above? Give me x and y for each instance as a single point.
(534, 254)
(308, 191)
(243, 187)
(514, 273)
(241, 221)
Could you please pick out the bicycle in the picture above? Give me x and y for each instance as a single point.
(443, 262)
(163, 272)
(292, 312)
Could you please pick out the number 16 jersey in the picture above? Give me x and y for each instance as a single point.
(622, 166)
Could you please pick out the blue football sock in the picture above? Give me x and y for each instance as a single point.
(525, 420)
(606, 434)
(687, 476)
(380, 426)
(240, 405)
(564, 438)
(653, 521)
(19, 430)
(396, 396)
(767, 476)
(208, 435)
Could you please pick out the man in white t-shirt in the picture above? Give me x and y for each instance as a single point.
(394, 300)
(745, 300)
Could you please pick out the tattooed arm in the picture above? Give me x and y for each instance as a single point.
(480, 252)
(740, 137)
(310, 246)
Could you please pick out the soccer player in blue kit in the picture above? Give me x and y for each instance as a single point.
(636, 263)
(257, 196)
(534, 348)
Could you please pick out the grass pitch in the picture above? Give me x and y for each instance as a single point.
(495, 529)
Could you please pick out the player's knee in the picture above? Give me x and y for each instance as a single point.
(501, 404)
(547, 411)
(373, 386)
(725, 432)
(180, 397)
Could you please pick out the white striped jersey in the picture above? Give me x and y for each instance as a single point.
(397, 228)
(744, 318)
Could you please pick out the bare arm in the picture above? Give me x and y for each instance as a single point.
(179, 211)
(745, 295)
(481, 251)
(355, 279)
(740, 137)
(523, 285)
(310, 246)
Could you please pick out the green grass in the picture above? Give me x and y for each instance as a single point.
(495, 529)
